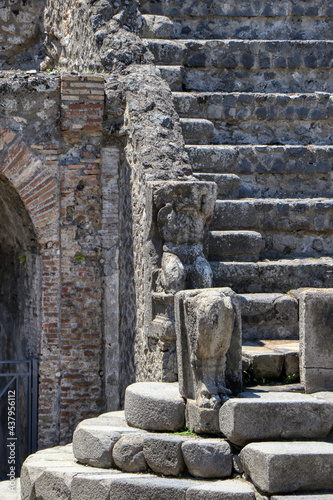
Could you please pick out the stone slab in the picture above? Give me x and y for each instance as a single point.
(227, 490)
(208, 458)
(154, 406)
(94, 486)
(262, 416)
(305, 496)
(149, 489)
(128, 455)
(287, 467)
(316, 339)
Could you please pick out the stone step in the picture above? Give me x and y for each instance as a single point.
(154, 26)
(54, 474)
(173, 75)
(196, 130)
(10, 490)
(227, 184)
(272, 416)
(272, 359)
(261, 118)
(272, 466)
(289, 227)
(249, 65)
(269, 171)
(234, 245)
(277, 276)
(269, 316)
(242, 8)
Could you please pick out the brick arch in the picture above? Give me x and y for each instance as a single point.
(35, 180)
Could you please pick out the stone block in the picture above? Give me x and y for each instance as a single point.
(163, 453)
(316, 339)
(272, 466)
(207, 458)
(230, 489)
(144, 488)
(268, 416)
(128, 455)
(154, 406)
(94, 486)
(94, 445)
(156, 27)
(196, 129)
(234, 245)
(201, 420)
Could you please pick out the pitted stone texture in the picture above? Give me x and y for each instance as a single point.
(316, 339)
(94, 486)
(201, 420)
(260, 416)
(227, 490)
(234, 245)
(156, 26)
(94, 438)
(208, 458)
(154, 406)
(269, 316)
(227, 184)
(272, 466)
(128, 455)
(163, 453)
(195, 129)
(173, 75)
(277, 275)
(149, 488)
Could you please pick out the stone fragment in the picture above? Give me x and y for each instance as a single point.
(163, 453)
(128, 455)
(154, 406)
(94, 445)
(208, 345)
(262, 416)
(201, 420)
(271, 466)
(316, 339)
(156, 26)
(230, 489)
(207, 458)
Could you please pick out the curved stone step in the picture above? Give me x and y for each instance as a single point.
(261, 118)
(271, 466)
(269, 171)
(234, 245)
(196, 130)
(269, 316)
(249, 65)
(227, 184)
(289, 227)
(276, 276)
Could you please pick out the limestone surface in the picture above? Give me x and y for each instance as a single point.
(154, 406)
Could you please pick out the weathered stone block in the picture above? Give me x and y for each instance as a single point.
(163, 454)
(147, 488)
(154, 406)
(316, 339)
(227, 489)
(128, 455)
(208, 458)
(272, 468)
(201, 420)
(260, 416)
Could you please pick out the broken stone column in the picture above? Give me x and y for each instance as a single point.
(208, 328)
(316, 339)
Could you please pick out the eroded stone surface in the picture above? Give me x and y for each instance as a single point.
(128, 455)
(164, 454)
(208, 458)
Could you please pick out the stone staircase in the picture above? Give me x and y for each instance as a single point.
(250, 82)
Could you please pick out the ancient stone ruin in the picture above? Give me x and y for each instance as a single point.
(166, 247)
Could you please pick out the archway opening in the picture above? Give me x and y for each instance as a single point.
(19, 323)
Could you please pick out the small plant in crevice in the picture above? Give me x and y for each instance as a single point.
(22, 258)
(79, 257)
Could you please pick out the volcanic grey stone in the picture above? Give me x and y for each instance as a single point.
(144, 488)
(227, 184)
(156, 26)
(154, 406)
(260, 416)
(234, 245)
(196, 129)
(128, 455)
(227, 490)
(201, 420)
(163, 453)
(208, 458)
(94, 445)
(289, 466)
(94, 486)
(316, 339)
